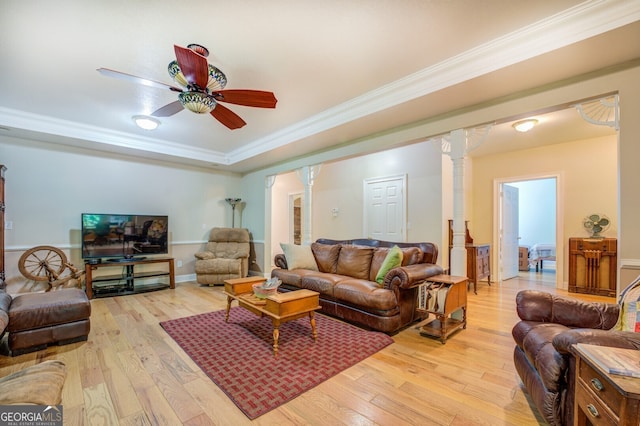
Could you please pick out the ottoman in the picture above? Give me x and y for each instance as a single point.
(39, 319)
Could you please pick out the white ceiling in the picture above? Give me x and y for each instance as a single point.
(341, 70)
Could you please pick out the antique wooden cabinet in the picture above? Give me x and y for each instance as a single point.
(478, 257)
(593, 265)
(2, 272)
(478, 264)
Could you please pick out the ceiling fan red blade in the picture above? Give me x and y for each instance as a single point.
(252, 98)
(168, 110)
(140, 80)
(193, 65)
(227, 117)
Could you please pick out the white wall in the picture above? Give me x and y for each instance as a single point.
(48, 188)
(582, 190)
(340, 184)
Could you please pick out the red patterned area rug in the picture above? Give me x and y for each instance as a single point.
(238, 356)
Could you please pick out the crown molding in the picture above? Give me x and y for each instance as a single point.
(103, 138)
(575, 24)
(588, 19)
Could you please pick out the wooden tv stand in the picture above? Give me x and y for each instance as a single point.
(124, 283)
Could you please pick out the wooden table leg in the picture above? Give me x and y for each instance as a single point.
(443, 328)
(312, 320)
(464, 316)
(226, 317)
(276, 335)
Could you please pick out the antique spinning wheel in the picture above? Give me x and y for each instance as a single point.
(47, 263)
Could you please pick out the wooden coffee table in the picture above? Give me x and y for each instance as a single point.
(280, 307)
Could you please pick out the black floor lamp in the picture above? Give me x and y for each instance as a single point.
(233, 202)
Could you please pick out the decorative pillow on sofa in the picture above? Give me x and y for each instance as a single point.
(393, 260)
(629, 301)
(299, 257)
(326, 256)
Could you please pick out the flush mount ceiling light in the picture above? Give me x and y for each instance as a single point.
(145, 122)
(525, 125)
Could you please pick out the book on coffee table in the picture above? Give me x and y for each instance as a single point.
(618, 361)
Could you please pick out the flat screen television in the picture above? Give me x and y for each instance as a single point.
(124, 236)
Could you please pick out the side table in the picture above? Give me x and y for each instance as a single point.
(602, 398)
(450, 294)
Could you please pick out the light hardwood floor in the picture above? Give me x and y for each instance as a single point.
(130, 372)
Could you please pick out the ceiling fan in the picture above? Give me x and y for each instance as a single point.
(201, 88)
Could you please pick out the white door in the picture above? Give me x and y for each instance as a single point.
(509, 237)
(384, 208)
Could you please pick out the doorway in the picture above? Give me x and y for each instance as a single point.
(384, 208)
(538, 229)
(295, 218)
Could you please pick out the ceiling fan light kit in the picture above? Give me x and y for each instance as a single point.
(202, 86)
(197, 102)
(525, 125)
(145, 122)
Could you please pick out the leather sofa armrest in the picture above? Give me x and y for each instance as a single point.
(619, 339)
(280, 261)
(407, 277)
(204, 255)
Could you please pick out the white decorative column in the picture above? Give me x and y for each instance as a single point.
(457, 145)
(458, 260)
(307, 176)
(268, 251)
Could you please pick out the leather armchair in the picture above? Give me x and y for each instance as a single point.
(549, 326)
(226, 256)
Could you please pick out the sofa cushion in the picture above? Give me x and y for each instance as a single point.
(219, 266)
(541, 306)
(321, 282)
(355, 261)
(293, 278)
(299, 257)
(393, 259)
(366, 294)
(326, 256)
(34, 310)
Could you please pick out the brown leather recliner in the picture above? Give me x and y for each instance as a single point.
(549, 326)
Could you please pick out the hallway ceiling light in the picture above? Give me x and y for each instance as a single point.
(525, 125)
(145, 122)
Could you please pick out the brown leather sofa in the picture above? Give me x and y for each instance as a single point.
(35, 320)
(549, 326)
(347, 286)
